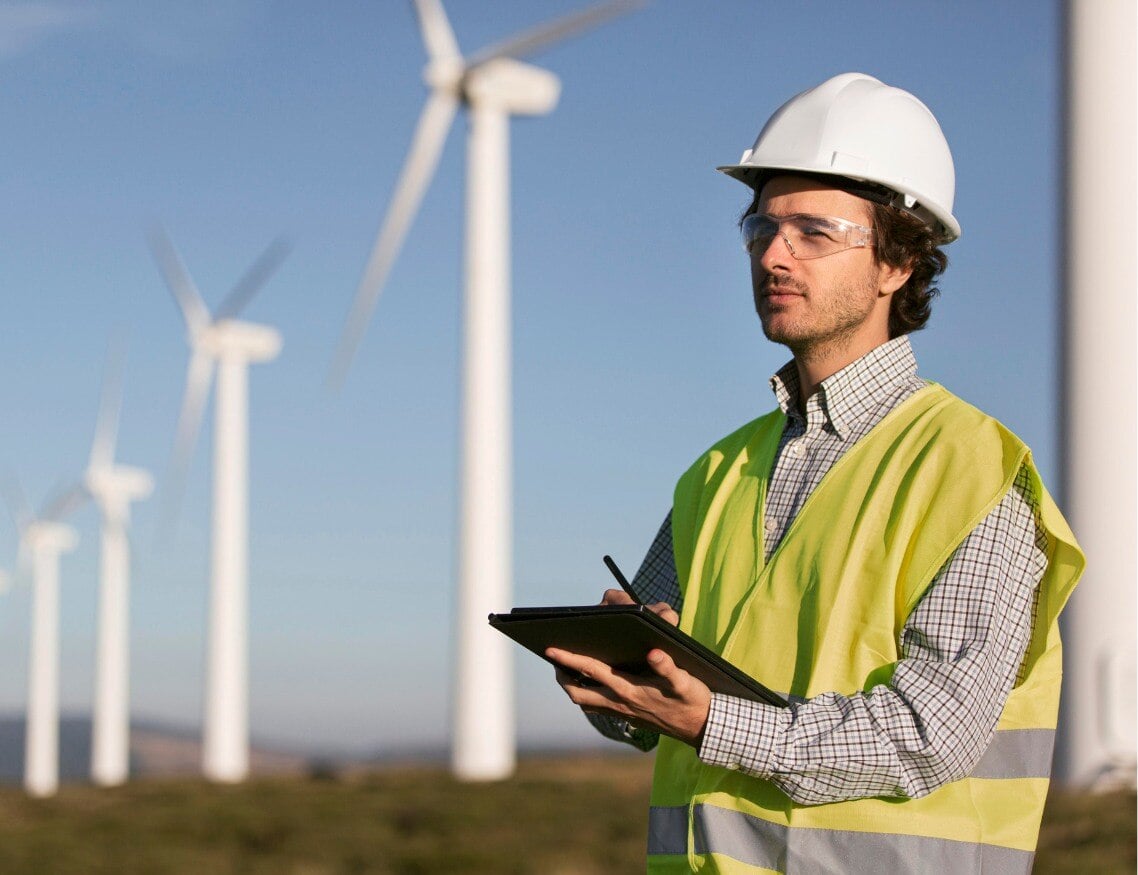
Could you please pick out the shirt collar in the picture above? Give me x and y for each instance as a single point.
(853, 393)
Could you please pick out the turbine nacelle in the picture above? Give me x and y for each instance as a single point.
(122, 483)
(228, 338)
(50, 536)
(512, 86)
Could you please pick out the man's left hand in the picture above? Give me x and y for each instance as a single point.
(669, 701)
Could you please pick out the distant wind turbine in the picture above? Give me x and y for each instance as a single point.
(113, 487)
(493, 86)
(230, 345)
(43, 540)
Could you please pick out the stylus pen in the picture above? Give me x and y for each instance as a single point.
(621, 579)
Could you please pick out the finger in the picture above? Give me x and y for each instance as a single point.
(665, 612)
(591, 697)
(616, 597)
(567, 679)
(580, 666)
(592, 674)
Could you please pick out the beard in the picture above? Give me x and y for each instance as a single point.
(816, 320)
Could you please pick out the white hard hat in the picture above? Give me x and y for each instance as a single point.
(858, 128)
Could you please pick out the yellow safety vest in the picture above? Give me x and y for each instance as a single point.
(826, 613)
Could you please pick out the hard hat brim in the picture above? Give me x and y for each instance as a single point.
(755, 177)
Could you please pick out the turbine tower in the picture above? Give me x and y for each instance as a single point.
(113, 487)
(43, 540)
(46, 540)
(219, 340)
(1097, 745)
(493, 86)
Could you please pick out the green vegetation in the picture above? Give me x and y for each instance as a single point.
(583, 815)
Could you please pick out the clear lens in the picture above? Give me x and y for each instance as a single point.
(805, 236)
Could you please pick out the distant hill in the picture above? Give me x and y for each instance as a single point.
(160, 749)
(156, 749)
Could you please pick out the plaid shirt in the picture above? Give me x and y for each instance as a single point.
(961, 648)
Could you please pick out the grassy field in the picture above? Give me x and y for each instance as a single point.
(565, 816)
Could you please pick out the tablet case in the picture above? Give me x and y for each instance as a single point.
(621, 636)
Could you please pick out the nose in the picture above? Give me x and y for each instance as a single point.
(778, 253)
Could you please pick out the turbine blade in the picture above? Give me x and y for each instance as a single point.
(438, 35)
(426, 147)
(23, 557)
(186, 294)
(65, 502)
(199, 376)
(110, 406)
(528, 42)
(16, 502)
(21, 514)
(255, 277)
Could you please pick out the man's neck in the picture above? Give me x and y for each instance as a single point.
(817, 363)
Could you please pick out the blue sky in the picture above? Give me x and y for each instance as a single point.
(635, 341)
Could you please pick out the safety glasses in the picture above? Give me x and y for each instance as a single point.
(805, 236)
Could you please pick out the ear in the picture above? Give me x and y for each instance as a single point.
(890, 278)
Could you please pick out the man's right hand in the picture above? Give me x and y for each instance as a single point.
(661, 609)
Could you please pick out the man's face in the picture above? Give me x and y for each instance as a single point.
(821, 302)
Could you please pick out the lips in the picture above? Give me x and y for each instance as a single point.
(778, 293)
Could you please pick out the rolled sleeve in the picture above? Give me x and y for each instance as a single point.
(742, 735)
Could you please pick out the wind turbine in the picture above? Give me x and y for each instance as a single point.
(220, 340)
(43, 540)
(493, 86)
(113, 487)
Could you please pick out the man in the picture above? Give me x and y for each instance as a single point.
(876, 549)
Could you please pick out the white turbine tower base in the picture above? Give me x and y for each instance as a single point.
(232, 346)
(493, 86)
(45, 541)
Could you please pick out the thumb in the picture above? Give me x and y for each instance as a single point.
(661, 663)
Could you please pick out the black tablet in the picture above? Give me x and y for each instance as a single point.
(621, 636)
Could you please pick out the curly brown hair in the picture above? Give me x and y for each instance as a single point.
(901, 240)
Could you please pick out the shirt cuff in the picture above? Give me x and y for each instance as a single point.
(741, 735)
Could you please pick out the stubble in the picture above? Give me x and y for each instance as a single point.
(816, 324)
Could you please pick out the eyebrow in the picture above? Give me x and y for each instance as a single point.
(810, 216)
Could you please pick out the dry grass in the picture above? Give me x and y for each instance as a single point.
(559, 816)
(1085, 833)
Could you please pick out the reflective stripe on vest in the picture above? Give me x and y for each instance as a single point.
(1017, 753)
(767, 845)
